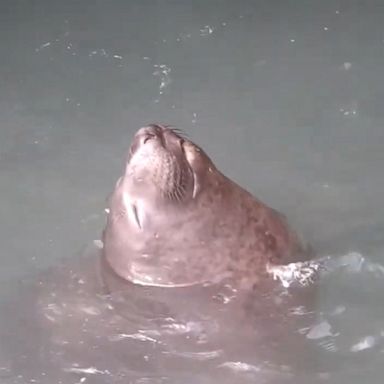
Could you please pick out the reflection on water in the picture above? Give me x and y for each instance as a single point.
(287, 99)
(80, 331)
(70, 327)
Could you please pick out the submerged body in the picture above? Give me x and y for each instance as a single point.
(175, 220)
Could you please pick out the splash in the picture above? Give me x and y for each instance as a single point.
(162, 71)
(303, 273)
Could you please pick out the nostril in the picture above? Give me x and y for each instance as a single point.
(147, 137)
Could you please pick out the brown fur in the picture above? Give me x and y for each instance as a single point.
(176, 220)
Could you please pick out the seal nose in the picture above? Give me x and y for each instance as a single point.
(165, 136)
(146, 133)
(173, 138)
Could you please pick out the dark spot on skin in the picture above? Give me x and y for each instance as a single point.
(271, 242)
(251, 262)
(235, 256)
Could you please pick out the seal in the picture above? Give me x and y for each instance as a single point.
(175, 220)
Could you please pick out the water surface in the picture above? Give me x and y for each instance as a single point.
(285, 96)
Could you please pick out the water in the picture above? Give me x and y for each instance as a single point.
(286, 97)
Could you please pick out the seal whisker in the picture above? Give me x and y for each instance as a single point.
(179, 132)
(177, 194)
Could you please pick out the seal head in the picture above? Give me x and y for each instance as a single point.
(175, 220)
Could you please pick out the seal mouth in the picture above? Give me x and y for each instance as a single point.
(158, 157)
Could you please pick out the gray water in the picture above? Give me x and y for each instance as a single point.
(285, 96)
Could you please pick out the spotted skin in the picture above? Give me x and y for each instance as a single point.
(175, 220)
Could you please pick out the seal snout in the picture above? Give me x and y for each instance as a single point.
(145, 134)
(161, 135)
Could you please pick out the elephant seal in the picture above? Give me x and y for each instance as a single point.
(174, 220)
